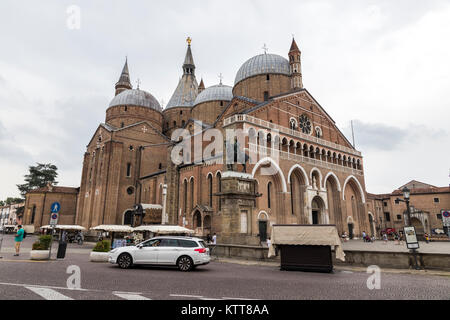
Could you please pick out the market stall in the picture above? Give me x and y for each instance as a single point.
(71, 231)
(117, 233)
(9, 228)
(153, 230)
(306, 247)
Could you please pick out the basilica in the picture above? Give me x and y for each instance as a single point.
(316, 177)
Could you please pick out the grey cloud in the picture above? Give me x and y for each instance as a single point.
(376, 135)
(383, 137)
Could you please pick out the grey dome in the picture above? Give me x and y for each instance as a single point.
(262, 64)
(218, 92)
(135, 97)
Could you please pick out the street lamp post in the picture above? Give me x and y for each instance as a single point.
(164, 215)
(406, 195)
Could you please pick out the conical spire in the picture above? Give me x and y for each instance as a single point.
(187, 89)
(124, 82)
(188, 65)
(294, 47)
(201, 86)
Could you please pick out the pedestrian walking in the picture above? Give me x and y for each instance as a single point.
(385, 238)
(18, 239)
(364, 236)
(214, 238)
(427, 238)
(208, 238)
(269, 243)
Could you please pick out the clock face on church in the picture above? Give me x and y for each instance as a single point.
(305, 124)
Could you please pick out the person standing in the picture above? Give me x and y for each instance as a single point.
(385, 238)
(214, 238)
(18, 239)
(269, 243)
(364, 236)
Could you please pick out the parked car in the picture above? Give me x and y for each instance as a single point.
(184, 252)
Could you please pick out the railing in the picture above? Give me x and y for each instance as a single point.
(264, 151)
(288, 131)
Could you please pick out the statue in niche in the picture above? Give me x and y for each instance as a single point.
(234, 152)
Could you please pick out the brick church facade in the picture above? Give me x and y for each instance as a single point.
(317, 176)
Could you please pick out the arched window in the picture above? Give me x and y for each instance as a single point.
(185, 198)
(210, 190)
(192, 194)
(318, 132)
(128, 169)
(219, 187)
(292, 195)
(293, 124)
(33, 214)
(269, 189)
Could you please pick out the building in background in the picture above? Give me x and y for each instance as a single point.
(427, 204)
(12, 214)
(38, 206)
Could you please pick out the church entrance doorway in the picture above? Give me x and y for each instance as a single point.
(128, 218)
(317, 207)
(315, 217)
(263, 230)
(350, 230)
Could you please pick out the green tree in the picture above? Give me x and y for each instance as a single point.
(11, 200)
(39, 176)
(2, 203)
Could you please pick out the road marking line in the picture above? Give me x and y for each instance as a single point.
(49, 294)
(210, 299)
(228, 298)
(131, 296)
(32, 261)
(45, 287)
(185, 295)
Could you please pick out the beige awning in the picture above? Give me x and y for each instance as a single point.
(113, 228)
(164, 229)
(65, 227)
(308, 235)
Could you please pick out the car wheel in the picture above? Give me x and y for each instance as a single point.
(124, 261)
(185, 263)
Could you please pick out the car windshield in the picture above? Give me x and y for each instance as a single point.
(151, 243)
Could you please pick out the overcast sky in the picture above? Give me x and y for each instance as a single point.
(383, 64)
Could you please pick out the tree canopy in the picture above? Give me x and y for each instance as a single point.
(39, 176)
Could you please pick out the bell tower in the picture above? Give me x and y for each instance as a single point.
(296, 66)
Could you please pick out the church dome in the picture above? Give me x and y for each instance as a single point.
(136, 97)
(263, 64)
(218, 92)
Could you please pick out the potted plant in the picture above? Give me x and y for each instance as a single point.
(100, 251)
(40, 249)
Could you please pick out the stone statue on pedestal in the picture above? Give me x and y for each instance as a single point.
(234, 152)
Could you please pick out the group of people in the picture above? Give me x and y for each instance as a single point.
(212, 240)
(367, 238)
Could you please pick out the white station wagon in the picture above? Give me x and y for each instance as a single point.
(184, 252)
